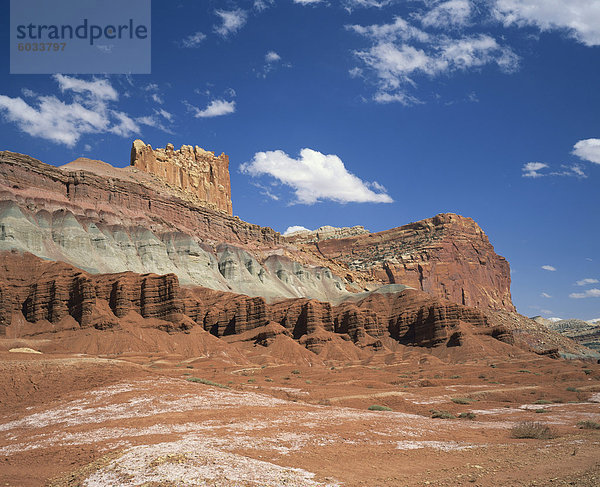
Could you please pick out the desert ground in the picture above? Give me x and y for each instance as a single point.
(157, 419)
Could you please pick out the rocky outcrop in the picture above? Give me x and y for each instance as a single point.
(325, 233)
(447, 256)
(191, 169)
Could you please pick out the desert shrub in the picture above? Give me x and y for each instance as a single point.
(455, 376)
(588, 425)
(442, 414)
(587, 371)
(543, 401)
(207, 382)
(251, 380)
(308, 381)
(525, 371)
(493, 366)
(468, 415)
(572, 389)
(268, 380)
(461, 400)
(377, 407)
(295, 372)
(532, 430)
(541, 410)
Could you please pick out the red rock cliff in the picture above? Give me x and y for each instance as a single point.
(192, 169)
(448, 256)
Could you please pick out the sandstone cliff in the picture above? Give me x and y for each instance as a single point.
(191, 169)
(448, 256)
(105, 219)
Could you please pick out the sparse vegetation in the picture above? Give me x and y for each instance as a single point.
(588, 425)
(461, 400)
(525, 371)
(543, 401)
(455, 376)
(377, 407)
(572, 389)
(251, 380)
(207, 382)
(541, 410)
(587, 371)
(268, 380)
(295, 372)
(532, 430)
(468, 415)
(442, 414)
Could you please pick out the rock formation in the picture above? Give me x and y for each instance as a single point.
(41, 293)
(104, 219)
(448, 256)
(191, 169)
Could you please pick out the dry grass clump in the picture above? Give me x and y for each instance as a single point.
(588, 425)
(442, 414)
(377, 407)
(462, 400)
(532, 430)
(206, 382)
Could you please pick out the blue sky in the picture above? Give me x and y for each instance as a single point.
(365, 112)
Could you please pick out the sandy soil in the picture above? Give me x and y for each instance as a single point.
(138, 419)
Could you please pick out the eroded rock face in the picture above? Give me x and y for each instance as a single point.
(192, 169)
(326, 232)
(42, 292)
(447, 256)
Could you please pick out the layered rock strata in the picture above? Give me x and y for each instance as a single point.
(54, 293)
(447, 256)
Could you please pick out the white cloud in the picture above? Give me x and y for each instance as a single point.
(215, 108)
(261, 5)
(545, 295)
(450, 13)
(272, 57)
(587, 281)
(157, 99)
(295, 229)
(64, 122)
(307, 2)
(352, 4)
(315, 177)
(99, 89)
(536, 170)
(590, 293)
(193, 40)
(401, 52)
(588, 150)
(231, 21)
(549, 268)
(531, 169)
(579, 18)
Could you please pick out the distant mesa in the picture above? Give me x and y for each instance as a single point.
(191, 169)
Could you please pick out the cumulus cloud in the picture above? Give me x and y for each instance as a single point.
(231, 21)
(587, 281)
(590, 293)
(352, 4)
(588, 150)
(400, 52)
(549, 268)
(295, 229)
(580, 19)
(450, 13)
(545, 295)
(215, 108)
(315, 177)
(193, 40)
(88, 110)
